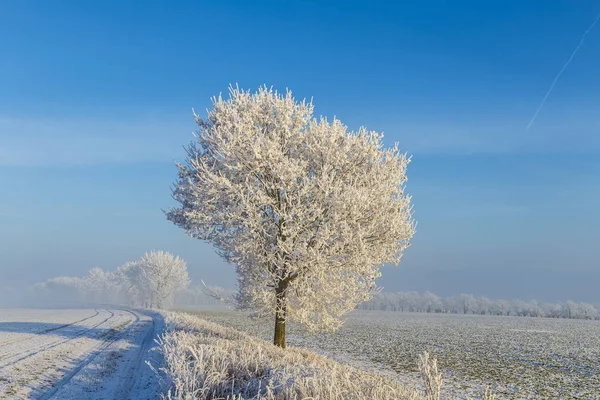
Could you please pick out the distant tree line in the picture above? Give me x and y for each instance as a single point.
(152, 281)
(468, 304)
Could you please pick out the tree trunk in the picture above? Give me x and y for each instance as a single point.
(280, 314)
(279, 338)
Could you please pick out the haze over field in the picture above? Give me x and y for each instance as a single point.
(95, 103)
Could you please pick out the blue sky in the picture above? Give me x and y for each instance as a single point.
(96, 99)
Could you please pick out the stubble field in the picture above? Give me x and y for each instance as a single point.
(520, 358)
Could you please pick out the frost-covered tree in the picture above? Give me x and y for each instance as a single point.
(553, 310)
(100, 285)
(431, 302)
(519, 308)
(579, 310)
(482, 305)
(467, 302)
(402, 299)
(588, 311)
(131, 283)
(161, 276)
(389, 301)
(534, 309)
(60, 290)
(305, 209)
(502, 307)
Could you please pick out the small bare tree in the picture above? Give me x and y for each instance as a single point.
(100, 285)
(307, 211)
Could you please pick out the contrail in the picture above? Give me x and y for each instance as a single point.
(561, 71)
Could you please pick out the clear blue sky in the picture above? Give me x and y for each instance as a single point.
(96, 99)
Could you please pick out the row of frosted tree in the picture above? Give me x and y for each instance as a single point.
(468, 304)
(152, 281)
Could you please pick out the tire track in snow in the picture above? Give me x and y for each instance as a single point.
(69, 377)
(44, 331)
(127, 379)
(144, 349)
(30, 352)
(108, 365)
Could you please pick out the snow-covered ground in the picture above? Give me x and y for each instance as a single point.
(78, 354)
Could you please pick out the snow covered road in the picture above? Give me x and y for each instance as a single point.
(78, 354)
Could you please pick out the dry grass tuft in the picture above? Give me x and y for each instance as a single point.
(207, 361)
(432, 377)
(488, 394)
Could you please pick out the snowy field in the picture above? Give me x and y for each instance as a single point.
(77, 354)
(521, 358)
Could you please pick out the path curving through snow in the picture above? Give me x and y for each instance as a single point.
(79, 354)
